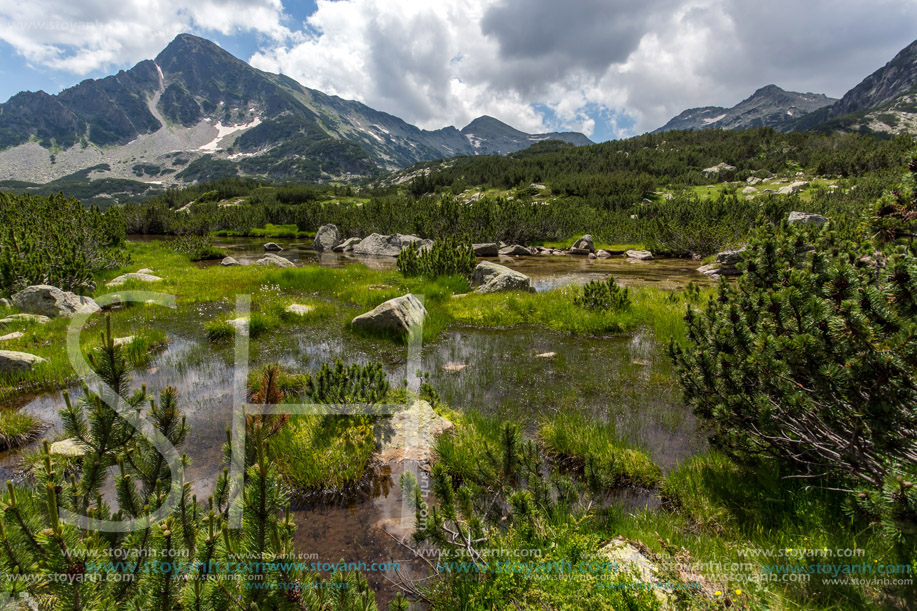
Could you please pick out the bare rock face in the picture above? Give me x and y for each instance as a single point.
(18, 361)
(50, 301)
(486, 249)
(326, 238)
(398, 315)
(639, 255)
(806, 218)
(583, 246)
(272, 260)
(137, 276)
(494, 278)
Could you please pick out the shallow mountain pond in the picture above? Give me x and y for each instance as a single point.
(520, 374)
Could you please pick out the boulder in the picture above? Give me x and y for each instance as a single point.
(274, 260)
(411, 435)
(398, 315)
(273, 247)
(298, 309)
(18, 361)
(229, 262)
(486, 249)
(326, 238)
(11, 336)
(35, 318)
(639, 255)
(50, 301)
(753, 180)
(136, 276)
(144, 271)
(583, 246)
(493, 278)
(806, 218)
(515, 250)
(749, 190)
(347, 245)
(592, 255)
(724, 265)
(602, 254)
(793, 187)
(378, 245)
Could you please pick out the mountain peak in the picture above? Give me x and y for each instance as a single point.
(894, 79)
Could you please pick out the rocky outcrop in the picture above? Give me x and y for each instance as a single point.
(493, 278)
(583, 246)
(273, 247)
(639, 255)
(136, 276)
(398, 315)
(347, 245)
(50, 301)
(516, 250)
(720, 170)
(229, 262)
(486, 249)
(326, 238)
(11, 361)
(806, 218)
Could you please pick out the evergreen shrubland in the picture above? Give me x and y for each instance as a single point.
(810, 359)
(55, 240)
(447, 256)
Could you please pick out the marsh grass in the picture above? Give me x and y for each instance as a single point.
(324, 454)
(464, 447)
(593, 448)
(721, 512)
(18, 429)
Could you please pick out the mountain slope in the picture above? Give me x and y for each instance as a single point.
(893, 80)
(196, 112)
(769, 106)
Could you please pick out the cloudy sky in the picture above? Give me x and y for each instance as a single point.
(608, 68)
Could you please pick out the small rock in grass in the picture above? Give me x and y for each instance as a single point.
(229, 262)
(300, 310)
(11, 336)
(18, 361)
(138, 277)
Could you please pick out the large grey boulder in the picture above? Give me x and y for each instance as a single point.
(229, 262)
(491, 277)
(639, 255)
(583, 246)
(50, 301)
(486, 249)
(397, 315)
(724, 265)
(18, 361)
(793, 187)
(326, 238)
(137, 276)
(273, 247)
(378, 245)
(516, 250)
(806, 218)
(347, 245)
(272, 260)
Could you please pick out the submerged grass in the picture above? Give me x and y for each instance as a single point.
(592, 447)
